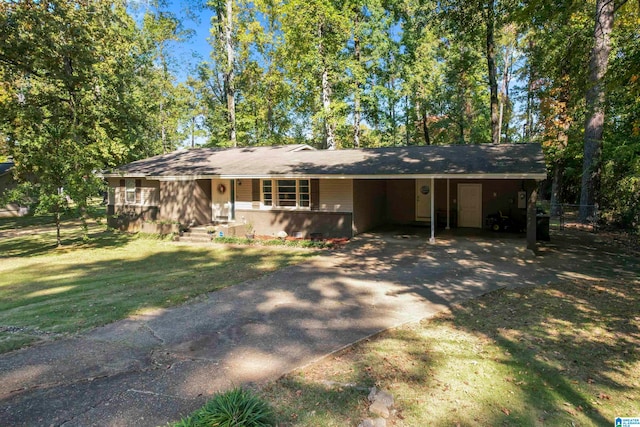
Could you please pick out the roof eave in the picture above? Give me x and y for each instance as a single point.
(538, 176)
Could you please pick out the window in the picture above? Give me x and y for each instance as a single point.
(286, 193)
(130, 191)
(303, 191)
(267, 193)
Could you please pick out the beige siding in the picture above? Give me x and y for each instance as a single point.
(148, 194)
(336, 195)
(243, 190)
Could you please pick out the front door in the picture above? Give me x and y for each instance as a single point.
(470, 205)
(221, 199)
(423, 199)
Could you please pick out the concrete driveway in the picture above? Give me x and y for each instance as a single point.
(156, 368)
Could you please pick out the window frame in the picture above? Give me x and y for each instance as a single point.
(275, 199)
(130, 190)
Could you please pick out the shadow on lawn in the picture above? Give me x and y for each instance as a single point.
(575, 336)
(44, 242)
(74, 296)
(573, 340)
(255, 331)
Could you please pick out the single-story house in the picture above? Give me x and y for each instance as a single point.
(301, 191)
(7, 182)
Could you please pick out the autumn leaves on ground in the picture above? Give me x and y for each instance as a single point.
(563, 354)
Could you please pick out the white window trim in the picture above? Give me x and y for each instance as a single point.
(274, 195)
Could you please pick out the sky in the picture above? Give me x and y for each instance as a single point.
(195, 19)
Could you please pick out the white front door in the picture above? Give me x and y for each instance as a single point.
(423, 199)
(470, 205)
(221, 199)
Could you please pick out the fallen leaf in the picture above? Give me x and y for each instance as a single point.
(604, 396)
(506, 411)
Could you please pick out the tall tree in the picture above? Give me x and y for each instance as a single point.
(595, 99)
(70, 99)
(490, 24)
(224, 53)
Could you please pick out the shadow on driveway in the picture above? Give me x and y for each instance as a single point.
(152, 369)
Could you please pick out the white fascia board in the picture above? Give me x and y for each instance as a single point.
(182, 177)
(122, 175)
(535, 176)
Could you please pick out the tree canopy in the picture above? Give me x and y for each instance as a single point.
(85, 85)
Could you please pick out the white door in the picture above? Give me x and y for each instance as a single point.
(470, 205)
(423, 199)
(221, 199)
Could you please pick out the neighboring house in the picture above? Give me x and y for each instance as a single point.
(7, 182)
(340, 193)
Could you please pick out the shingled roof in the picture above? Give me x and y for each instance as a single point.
(436, 161)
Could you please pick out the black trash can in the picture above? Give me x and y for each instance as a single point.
(542, 227)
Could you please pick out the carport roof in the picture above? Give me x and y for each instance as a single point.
(517, 161)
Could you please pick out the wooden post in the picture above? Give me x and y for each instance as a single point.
(531, 217)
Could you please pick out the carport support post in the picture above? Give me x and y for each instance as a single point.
(531, 217)
(433, 213)
(448, 205)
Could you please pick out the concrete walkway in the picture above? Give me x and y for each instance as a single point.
(150, 370)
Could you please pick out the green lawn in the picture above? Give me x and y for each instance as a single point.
(47, 292)
(559, 355)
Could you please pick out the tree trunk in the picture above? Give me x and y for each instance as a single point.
(329, 129)
(504, 93)
(595, 97)
(556, 186)
(358, 86)
(229, 72)
(57, 219)
(491, 63)
(425, 126)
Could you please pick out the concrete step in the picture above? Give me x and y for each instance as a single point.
(186, 237)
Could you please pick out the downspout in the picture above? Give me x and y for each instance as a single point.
(232, 201)
(433, 210)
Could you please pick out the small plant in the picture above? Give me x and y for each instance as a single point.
(237, 407)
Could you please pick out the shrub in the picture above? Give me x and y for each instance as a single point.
(234, 408)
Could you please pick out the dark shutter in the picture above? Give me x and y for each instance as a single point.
(122, 183)
(255, 190)
(315, 194)
(138, 191)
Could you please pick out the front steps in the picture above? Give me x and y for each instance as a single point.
(199, 234)
(203, 233)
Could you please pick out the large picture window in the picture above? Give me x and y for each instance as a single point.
(286, 193)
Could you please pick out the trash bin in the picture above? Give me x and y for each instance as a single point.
(542, 227)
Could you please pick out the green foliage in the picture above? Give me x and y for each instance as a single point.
(236, 407)
(70, 99)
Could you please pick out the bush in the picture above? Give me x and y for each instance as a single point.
(234, 408)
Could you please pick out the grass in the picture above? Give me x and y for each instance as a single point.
(558, 355)
(47, 292)
(298, 243)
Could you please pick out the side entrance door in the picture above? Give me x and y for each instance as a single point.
(423, 199)
(470, 205)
